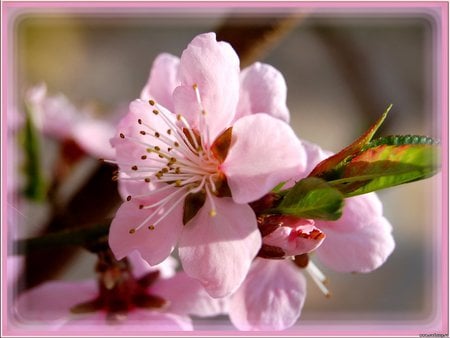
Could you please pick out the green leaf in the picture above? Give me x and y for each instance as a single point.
(332, 163)
(35, 187)
(312, 198)
(388, 165)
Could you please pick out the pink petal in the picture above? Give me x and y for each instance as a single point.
(52, 301)
(130, 148)
(133, 187)
(154, 245)
(214, 67)
(271, 297)
(187, 296)
(55, 115)
(263, 90)
(357, 213)
(218, 250)
(162, 81)
(295, 240)
(264, 152)
(361, 240)
(314, 155)
(93, 137)
(133, 145)
(140, 267)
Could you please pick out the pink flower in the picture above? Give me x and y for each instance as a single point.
(197, 153)
(272, 295)
(127, 305)
(58, 117)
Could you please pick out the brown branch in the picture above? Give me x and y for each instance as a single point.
(94, 202)
(253, 35)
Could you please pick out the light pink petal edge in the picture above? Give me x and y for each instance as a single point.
(264, 152)
(218, 250)
(271, 298)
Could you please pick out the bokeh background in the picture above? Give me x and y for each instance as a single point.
(342, 68)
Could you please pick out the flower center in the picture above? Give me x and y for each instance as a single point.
(178, 161)
(119, 292)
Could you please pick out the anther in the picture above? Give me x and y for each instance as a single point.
(122, 135)
(151, 227)
(141, 206)
(134, 168)
(142, 132)
(178, 183)
(176, 144)
(157, 134)
(147, 180)
(152, 103)
(139, 121)
(169, 149)
(212, 213)
(178, 117)
(169, 131)
(129, 198)
(143, 157)
(156, 112)
(165, 170)
(132, 231)
(157, 148)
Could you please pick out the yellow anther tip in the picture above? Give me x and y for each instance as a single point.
(212, 213)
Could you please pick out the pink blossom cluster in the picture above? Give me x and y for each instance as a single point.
(205, 142)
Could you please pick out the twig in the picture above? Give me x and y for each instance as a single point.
(252, 36)
(73, 237)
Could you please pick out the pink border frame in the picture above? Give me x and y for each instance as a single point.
(437, 10)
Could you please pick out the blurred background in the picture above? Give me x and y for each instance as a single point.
(342, 68)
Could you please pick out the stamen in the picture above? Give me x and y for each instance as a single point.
(318, 277)
(202, 125)
(213, 211)
(189, 168)
(199, 100)
(168, 211)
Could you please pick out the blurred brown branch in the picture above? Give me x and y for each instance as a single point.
(94, 202)
(252, 36)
